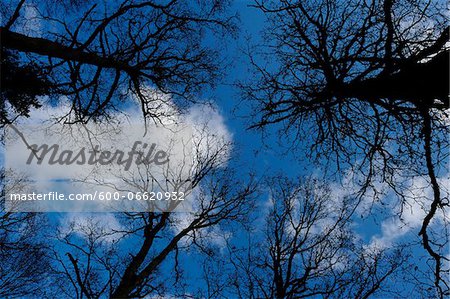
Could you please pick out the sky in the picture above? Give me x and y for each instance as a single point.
(259, 151)
(263, 154)
(377, 224)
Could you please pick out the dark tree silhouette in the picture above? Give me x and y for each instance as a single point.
(97, 54)
(23, 258)
(102, 262)
(94, 267)
(20, 86)
(365, 84)
(305, 248)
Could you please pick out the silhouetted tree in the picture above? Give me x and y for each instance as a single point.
(96, 54)
(95, 260)
(23, 259)
(304, 247)
(365, 84)
(20, 86)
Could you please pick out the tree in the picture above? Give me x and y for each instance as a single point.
(23, 259)
(365, 85)
(98, 260)
(308, 249)
(96, 54)
(21, 86)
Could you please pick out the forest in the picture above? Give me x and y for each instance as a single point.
(228, 149)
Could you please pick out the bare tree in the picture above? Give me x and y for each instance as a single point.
(98, 260)
(307, 248)
(364, 84)
(96, 54)
(23, 259)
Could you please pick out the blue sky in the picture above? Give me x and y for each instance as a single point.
(263, 154)
(257, 150)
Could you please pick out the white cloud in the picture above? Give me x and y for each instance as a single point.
(29, 22)
(401, 218)
(103, 227)
(209, 134)
(199, 135)
(407, 217)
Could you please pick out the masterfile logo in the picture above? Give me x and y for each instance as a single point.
(94, 156)
(117, 163)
